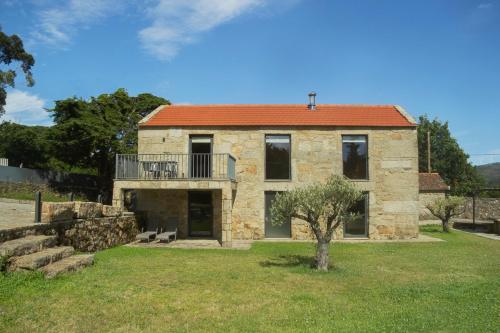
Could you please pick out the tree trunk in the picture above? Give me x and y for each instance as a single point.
(446, 227)
(322, 255)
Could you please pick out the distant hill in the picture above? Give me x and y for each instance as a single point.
(491, 173)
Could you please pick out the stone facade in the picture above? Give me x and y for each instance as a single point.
(316, 153)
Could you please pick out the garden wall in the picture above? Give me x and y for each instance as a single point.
(88, 233)
(486, 208)
(58, 181)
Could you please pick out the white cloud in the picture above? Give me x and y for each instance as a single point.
(485, 5)
(58, 24)
(170, 24)
(179, 22)
(25, 108)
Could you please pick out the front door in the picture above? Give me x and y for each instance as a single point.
(200, 213)
(274, 231)
(200, 157)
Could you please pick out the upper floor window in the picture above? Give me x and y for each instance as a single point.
(278, 157)
(355, 156)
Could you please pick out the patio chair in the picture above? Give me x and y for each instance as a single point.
(170, 230)
(150, 233)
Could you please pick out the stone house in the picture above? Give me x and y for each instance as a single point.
(431, 187)
(216, 168)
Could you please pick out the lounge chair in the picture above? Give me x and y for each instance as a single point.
(150, 234)
(170, 230)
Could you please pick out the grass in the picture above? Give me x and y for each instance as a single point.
(451, 286)
(46, 196)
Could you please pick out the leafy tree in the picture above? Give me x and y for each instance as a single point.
(26, 145)
(447, 157)
(89, 133)
(12, 50)
(324, 206)
(446, 208)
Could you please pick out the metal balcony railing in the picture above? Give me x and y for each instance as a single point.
(175, 166)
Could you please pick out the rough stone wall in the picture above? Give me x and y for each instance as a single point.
(86, 235)
(426, 198)
(486, 208)
(316, 154)
(97, 234)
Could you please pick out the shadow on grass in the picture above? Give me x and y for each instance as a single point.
(290, 261)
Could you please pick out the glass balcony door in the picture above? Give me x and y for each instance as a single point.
(200, 164)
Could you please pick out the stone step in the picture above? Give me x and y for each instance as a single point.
(69, 264)
(26, 245)
(36, 260)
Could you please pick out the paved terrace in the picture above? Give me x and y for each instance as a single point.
(16, 213)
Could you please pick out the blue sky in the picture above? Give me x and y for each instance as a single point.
(440, 58)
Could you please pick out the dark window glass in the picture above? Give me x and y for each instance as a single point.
(358, 226)
(355, 156)
(278, 157)
(275, 231)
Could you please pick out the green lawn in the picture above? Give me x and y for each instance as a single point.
(451, 286)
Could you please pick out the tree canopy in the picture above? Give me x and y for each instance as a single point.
(446, 208)
(324, 206)
(26, 145)
(12, 50)
(447, 157)
(89, 133)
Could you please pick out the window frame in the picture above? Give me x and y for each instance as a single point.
(367, 178)
(366, 198)
(289, 158)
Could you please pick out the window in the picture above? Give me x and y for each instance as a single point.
(358, 226)
(355, 156)
(275, 231)
(278, 157)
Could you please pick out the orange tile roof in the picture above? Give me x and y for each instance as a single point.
(278, 115)
(431, 182)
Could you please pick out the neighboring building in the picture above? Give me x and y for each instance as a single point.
(4, 161)
(217, 167)
(431, 187)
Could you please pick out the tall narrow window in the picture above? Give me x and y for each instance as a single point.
(278, 157)
(355, 156)
(275, 231)
(358, 225)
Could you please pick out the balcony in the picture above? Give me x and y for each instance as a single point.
(175, 167)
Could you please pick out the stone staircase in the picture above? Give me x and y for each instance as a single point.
(40, 253)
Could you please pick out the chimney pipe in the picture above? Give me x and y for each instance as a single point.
(312, 101)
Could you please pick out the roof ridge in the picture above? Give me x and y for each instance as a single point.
(287, 105)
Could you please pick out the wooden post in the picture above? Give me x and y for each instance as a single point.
(429, 152)
(38, 207)
(474, 210)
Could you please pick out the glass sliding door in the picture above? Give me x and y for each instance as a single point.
(200, 158)
(200, 213)
(358, 226)
(273, 231)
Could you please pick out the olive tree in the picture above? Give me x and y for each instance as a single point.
(324, 206)
(446, 208)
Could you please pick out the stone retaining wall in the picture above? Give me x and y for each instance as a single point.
(486, 209)
(92, 232)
